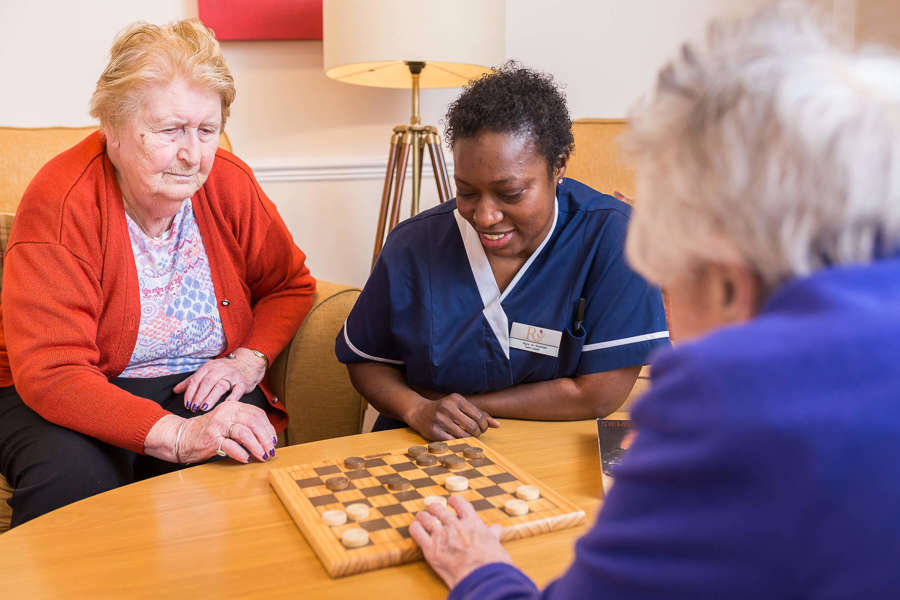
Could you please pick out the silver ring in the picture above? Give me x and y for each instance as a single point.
(228, 435)
(230, 385)
(219, 450)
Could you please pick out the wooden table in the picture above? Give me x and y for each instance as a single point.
(218, 531)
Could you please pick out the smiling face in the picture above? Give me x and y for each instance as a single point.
(164, 154)
(504, 190)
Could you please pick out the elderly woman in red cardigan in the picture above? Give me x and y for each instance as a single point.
(148, 283)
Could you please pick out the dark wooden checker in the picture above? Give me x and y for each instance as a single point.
(492, 481)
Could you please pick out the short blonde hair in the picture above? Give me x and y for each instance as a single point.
(145, 55)
(771, 146)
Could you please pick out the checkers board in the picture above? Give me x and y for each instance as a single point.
(492, 481)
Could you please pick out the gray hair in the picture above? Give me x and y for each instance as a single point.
(145, 55)
(773, 146)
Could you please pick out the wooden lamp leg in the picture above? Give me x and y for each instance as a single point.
(393, 154)
(408, 139)
(441, 179)
(399, 179)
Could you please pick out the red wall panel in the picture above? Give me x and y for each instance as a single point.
(263, 19)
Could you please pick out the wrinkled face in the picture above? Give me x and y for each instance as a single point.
(503, 189)
(164, 154)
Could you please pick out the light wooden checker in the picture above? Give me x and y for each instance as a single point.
(492, 481)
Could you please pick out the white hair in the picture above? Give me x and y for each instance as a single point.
(773, 146)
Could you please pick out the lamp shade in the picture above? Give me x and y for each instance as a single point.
(366, 42)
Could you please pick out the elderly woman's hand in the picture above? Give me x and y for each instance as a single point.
(455, 544)
(240, 430)
(238, 374)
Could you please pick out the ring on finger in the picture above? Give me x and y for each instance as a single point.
(230, 385)
(230, 427)
(219, 450)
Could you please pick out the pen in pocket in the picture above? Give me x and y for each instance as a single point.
(579, 317)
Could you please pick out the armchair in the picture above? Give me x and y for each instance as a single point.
(596, 162)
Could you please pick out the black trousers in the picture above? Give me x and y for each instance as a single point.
(50, 466)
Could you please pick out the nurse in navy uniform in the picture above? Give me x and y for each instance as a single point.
(512, 300)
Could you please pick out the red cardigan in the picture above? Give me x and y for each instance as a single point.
(71, 300)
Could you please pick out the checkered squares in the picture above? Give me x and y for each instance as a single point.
(491, 484)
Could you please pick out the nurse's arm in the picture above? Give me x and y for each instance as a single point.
(384, 387)
(449, 416)
(582, 397)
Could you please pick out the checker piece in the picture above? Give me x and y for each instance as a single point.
(473, 452)
(453, 462)
(455, 483)
(528, 492)
(358, 511)
(415, 451)
(336, 484)
(426, 460)
(516, 507)
(355, 538)
(334, 518)
(398, 484)
(354, 462)
(437, 447)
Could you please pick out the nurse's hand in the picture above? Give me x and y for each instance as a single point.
(448, 418)
(457, 543)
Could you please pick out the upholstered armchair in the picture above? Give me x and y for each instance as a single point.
(598, 163)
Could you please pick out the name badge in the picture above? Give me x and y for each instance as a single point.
(531, 338)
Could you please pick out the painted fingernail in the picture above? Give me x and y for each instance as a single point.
(205, 404)
(274, 441)
(272, 452)
(193, 407)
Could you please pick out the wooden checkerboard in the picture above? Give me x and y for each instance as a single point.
(492, 481)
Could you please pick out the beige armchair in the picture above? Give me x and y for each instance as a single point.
(306, 376)
(598, 163)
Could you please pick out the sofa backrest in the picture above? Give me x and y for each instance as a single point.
(24, 150)
(597, 161)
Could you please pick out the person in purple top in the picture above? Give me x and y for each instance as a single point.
(765, 462)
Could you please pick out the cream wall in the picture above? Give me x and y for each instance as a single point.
(317, 146)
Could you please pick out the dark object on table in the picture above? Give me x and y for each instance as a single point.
(614, 436)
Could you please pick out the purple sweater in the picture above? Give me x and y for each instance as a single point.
(767, 463)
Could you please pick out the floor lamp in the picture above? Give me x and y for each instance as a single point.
(411, 44)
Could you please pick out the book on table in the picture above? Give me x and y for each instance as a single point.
(614, 436)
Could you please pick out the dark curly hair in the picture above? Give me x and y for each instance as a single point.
(515, 99)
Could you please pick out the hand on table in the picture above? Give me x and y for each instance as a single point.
(217, 377)
(448, 418)
(456, 543)
(240, 430)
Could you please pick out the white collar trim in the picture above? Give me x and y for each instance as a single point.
(484, 276)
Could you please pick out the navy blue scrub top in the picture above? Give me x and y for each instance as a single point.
(432, 306)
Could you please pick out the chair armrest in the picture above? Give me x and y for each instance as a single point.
(6, 492)
(315, 388)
